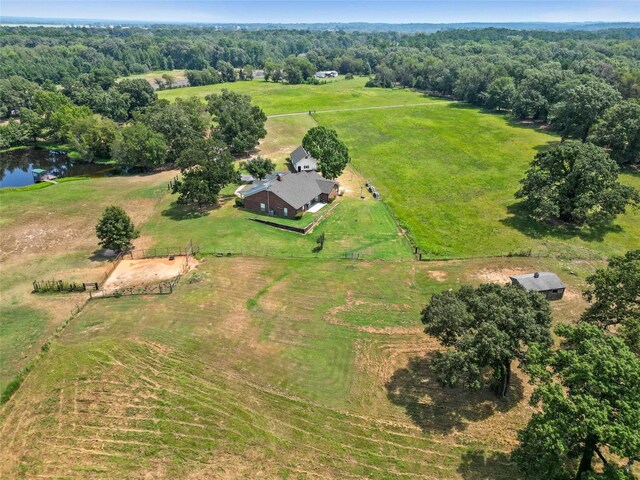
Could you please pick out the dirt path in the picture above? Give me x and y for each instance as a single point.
(444, 102)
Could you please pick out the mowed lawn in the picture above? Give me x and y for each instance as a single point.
(265, 369)
(450, 172)
(279, 98)
(354, 227)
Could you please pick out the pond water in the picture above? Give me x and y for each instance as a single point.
(16, 167)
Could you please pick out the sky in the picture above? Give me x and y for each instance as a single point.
(322, 11)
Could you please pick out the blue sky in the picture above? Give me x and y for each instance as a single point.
(268, 11)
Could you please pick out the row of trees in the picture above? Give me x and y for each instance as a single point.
(587, 397)
(443, 61)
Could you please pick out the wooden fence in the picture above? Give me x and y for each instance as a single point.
(158, 252)
(161, 288)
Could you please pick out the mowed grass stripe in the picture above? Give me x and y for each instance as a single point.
(310, 429)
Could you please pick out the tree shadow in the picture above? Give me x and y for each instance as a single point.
(188, 212)
(436, 408)
(519, 220)
(102, 255)
(478, 465)
(631, 169)
(537, 125)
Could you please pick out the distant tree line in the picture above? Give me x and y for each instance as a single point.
(463, 63)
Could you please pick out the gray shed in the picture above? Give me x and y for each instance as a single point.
(547, 283)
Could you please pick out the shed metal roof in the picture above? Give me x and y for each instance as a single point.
(539, 282)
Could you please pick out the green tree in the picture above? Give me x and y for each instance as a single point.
(485, 329)
(227, 71)
(576, 183)
(115, 230)
(277, 75)
(619, 132)
(138, 92)
(588, 406)
(206, 167)
(582, 102)
(181, 123)
(92, 137)
(538, 91)
(269, 69)
(11, 134)
(614, 297)
(297, 69)
(138, 145)
(169, 79)
(384, 78)
(500, 94)
(239, 123)
(331, 153)
(16, 93)
(260, 167)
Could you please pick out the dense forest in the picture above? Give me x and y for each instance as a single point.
(585, 83)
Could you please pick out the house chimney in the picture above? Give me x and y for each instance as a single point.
(536, 275)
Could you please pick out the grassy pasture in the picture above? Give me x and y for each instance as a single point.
(450, 172)
(230, 377)
(280, 98)
(50, 234)
(270, 367)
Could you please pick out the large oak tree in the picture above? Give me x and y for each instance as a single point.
(619, 132)
(239, 123)
(331, 153)
(484, 330)
(588, 408)
(576, 183)
(206, 167)
(614, 296)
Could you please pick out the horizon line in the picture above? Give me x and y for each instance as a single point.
(4, 18)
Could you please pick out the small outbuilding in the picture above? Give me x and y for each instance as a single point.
(302, 161)
(547, 283)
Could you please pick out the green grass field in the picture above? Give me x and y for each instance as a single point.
(262, 369)
(280, 98)
(449, 172)
(354, 226)
(49, 233)
(283, 362)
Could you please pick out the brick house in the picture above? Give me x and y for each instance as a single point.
(286, 194)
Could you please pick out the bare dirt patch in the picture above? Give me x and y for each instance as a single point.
(498, 275)
(147, 270)
(438, 275)
(352, 183)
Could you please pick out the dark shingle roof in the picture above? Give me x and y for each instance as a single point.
(298, 154)
(296, 189)
(541, 283)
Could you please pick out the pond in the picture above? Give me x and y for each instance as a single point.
(16, 166)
